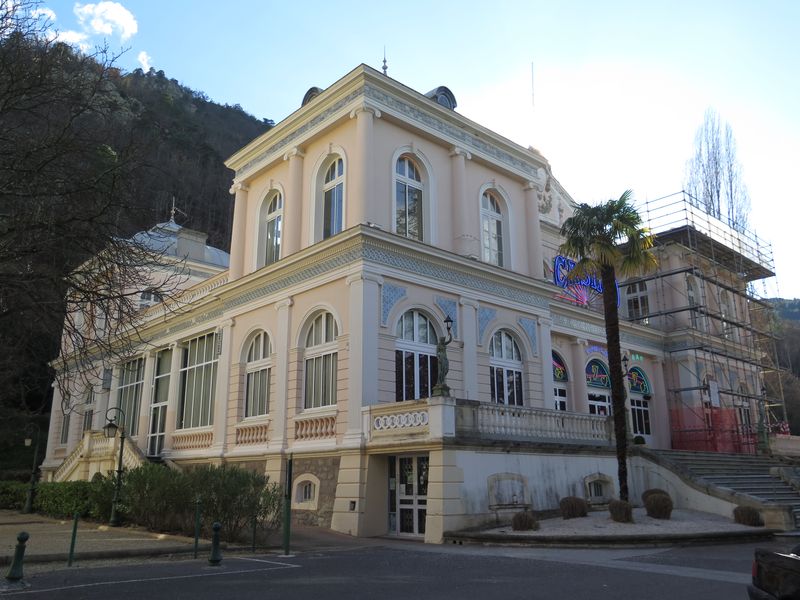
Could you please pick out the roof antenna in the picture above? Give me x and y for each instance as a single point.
(175, 209)
(385, 68)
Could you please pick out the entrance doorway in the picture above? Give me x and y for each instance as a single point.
(408, 494)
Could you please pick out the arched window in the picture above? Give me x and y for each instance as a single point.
(638, 304)
(270, 229)
(415, 364)
(505, 369)
(320, 362)
(408, 220)
(560, 379)
(599, 382)
(492, 228)
(257, 369)
(640, 391)
(333, 198)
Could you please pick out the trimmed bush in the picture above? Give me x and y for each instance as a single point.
(62, 499)
(650, 492)
(13, 494)
(524, 521)
(159, 499)
(573, 507)
(621, 511)
(658, 506)
(747, 515)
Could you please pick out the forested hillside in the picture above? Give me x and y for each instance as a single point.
(90, 155)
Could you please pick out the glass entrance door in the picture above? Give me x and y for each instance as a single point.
(408, 494)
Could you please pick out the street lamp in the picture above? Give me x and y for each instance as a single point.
(443, 365)
(625, 363)
(110, 430)
(31, 430)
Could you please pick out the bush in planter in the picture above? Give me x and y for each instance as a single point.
(747, 515)
(658, 506)
(621, 511)
(524, 521)
(650, 492)
(13, 494)
(573, 507)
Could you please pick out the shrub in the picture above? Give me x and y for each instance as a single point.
(101, 494)
(621, 511)
(747, 515)
(62, 499)
(13, 494)
(650, 492)
(572, 507)
(524, 521)
(658, 506)
(639, 440)
(158, 498)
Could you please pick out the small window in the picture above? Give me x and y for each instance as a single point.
(257, 376)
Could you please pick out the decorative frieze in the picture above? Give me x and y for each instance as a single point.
(390, 295)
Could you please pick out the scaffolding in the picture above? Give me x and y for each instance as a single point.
(718, 332)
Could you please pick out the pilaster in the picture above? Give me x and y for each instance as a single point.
(535, 255)
(239, 231)
(361, 207)
(293, 203)
(468, 331)
(546, 355)
(280, 407)
(222, 391)
(145, 401)
(465, 212)
(580, 391)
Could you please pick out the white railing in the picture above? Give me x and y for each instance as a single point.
(191, 439)
(525, 423)
(314, 427)
(252, 433)
(94, 448)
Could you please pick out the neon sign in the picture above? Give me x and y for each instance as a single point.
(580, 291)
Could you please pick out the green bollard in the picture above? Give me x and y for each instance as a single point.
(287, 508)
(74, 536)
(216, 555)
(197, 505)
(15, 571)
(255, 531)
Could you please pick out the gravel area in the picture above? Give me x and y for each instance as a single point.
(600, 523)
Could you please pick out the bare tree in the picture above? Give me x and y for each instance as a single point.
(69, 154)
(714, 174)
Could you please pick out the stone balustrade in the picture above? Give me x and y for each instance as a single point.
(192, 439)
(314, 427)
(252, 432)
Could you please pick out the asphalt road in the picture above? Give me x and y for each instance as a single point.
(410, 570)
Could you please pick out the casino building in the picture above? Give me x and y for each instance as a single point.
(372, 222)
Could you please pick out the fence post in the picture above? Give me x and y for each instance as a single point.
(197, 505)
(287, 508)
(216, 556)
(72, 541)
(15, 571)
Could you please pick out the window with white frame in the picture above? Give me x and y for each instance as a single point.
(257, 376)
(271, 227)
(321, 362)
(492, 228)
(129, 393)
(505, 369)
(88, 409)
(638, 304)
(65, 423)
(560, 380)
(333, 198)
(198, 375)
(408, 198)
(415, 364)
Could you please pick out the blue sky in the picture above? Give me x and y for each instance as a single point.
(619, 88)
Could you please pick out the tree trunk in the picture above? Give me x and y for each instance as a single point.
(611, 314)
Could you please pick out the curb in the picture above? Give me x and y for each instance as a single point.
(101, 554)
(609, 541)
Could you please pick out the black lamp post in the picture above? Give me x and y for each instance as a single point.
(625, 363)
(31, 430)
(110, 431)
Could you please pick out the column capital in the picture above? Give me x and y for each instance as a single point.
(532, 186)
(471, 302)
(285, 303)
(351, 279)
(239, 187)
(544, 321)
(580, 342)
(296, 151)
(226, 324)
(456, 151)
(365, 108)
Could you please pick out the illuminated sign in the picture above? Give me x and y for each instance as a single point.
(578, 290)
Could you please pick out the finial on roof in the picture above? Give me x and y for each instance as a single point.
(173, 210)
(385, 68)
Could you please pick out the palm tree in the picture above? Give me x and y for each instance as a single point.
(610, 238)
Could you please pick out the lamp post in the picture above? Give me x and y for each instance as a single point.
(625, 364)
(110, 430)
(31, 430)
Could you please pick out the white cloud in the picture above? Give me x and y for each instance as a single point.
(44, 13)
(74, 38)
(107, 18)
(144, 59)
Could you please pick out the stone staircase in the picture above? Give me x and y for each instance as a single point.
(742, 473)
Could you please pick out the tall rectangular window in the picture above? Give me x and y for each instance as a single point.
(198, 382)
(65, 428)
(129, 393)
